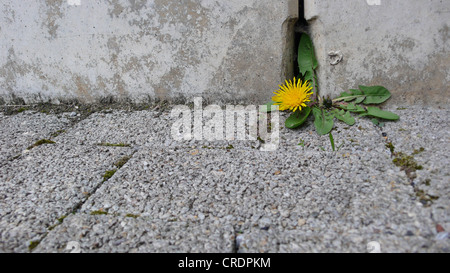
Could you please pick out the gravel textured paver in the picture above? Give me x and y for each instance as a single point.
(109, 234)
(20, 131)
(225, 196)
(44, 185)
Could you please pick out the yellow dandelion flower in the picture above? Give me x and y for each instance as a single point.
(293, 95)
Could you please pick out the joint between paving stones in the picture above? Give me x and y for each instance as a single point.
(409, 166)
(108, 175)
(235, 244)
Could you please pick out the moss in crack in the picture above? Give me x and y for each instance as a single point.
(409, 165)
(33, 245)
(229, 147)
(14, 110)
(207, 147)
(391, 147)
(105, 144)
(85, 110)
(260, 140)
(99, 212)
(130, 215)
(119, 163)
(61, 219)
(57, 133)
(40, 142)
(15, 157)
(406, 163)
(425, 198)
(421, 150)
(50, 228)
(108, 175)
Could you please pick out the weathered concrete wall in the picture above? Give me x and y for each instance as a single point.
(403, 45)
(234, 50)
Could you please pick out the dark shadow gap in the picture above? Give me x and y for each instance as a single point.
(301, 26)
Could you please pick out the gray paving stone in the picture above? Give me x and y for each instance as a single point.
(133, 128)
(193, 196)
(22, 130)
(111, 234)
(248, 190)
(46, 183)
(335, 239)
(424, 134)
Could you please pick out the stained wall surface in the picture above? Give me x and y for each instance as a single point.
(56, 50)
(224, 51)
(402, 45)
